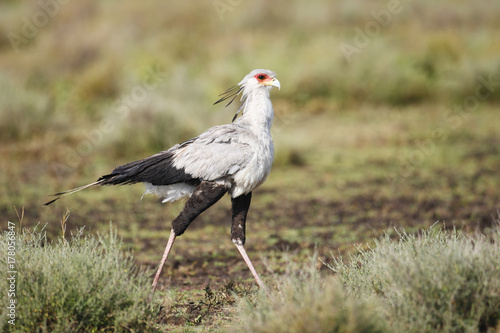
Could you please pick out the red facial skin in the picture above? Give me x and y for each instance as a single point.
(262, 77)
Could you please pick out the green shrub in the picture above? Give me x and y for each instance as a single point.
(85, 284)
(302, 301)
(436, 281)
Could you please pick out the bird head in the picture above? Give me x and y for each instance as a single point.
(260, 78)
(256, 79)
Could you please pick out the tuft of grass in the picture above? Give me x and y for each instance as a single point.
(438, 280)
(84, 284)
(302, 301)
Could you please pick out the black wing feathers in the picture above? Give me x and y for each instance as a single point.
(156, 169)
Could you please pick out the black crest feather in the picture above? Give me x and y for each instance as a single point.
(230, 93)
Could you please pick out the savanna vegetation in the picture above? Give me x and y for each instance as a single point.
(387, 119)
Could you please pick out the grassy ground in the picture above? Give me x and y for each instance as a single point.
(401, 133)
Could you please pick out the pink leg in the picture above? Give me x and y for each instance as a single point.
(164, 258)
(249, 264)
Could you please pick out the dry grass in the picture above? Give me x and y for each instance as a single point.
(438, 280)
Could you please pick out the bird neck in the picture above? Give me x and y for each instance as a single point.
(257, 110)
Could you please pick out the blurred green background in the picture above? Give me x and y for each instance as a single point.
(387, 116)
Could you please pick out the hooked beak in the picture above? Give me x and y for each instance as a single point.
(273, 82)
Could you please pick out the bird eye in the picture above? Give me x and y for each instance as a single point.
(261, 77)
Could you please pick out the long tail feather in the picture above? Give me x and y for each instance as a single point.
(68, 192)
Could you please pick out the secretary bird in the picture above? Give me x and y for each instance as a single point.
(234, 158)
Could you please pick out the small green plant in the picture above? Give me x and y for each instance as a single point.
(438, 280)
(302, 301)
(81, 284)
